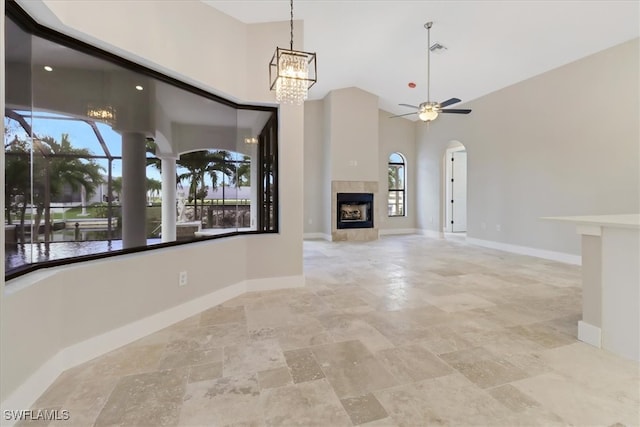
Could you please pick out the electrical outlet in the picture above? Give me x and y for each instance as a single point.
(483, 225)
(183, 278)
(498, 227)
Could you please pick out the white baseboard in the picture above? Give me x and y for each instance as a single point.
(524, 250)
(316, 236)
(396, 231)
(29, 391)
(589, 334)
(431, 233)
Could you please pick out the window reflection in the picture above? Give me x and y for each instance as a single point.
(95, 149)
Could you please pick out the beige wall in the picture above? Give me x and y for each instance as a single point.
(44, 313)
(314, 168)
(562, 143)
(346, 126)
(353, 135)
(397, 135)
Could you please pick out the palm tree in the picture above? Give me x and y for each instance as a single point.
(116, 187)
(17, 189)
(242, 173)
(196, 164)
(154, 187)
(57, 164)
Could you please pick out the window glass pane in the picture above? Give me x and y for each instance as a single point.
(396, 203)
(396, 158)
(396, 177)
(82, 133)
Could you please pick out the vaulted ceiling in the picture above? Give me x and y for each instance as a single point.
(380, 46)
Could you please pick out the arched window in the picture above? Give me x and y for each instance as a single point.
(397, 185)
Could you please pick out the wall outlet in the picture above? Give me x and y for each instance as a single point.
(431, 220)
(483, 225)
(498, 227)
(310, 221)
(183, 278)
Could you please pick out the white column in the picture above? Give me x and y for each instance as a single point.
(168, 199)
(134, 191)
(255, 184)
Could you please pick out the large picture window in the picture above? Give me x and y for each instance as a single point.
(104, 156)
(396, 176)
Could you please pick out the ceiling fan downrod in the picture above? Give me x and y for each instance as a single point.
(428, 26)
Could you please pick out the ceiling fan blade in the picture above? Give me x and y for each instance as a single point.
(408, 105)
(449, 102)
(455, 111)
(402, 115)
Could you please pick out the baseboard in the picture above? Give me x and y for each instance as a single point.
(316, 236)
(29, 391)
(431, 233)
(589, 334)
(396, 231)
(32, 388)
(524, 250)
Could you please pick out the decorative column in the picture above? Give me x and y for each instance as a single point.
(255, 184)
(134, 183)
(168, 198)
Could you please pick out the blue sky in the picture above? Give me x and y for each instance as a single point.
(82, 136)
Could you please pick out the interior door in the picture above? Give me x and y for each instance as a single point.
(459, 191)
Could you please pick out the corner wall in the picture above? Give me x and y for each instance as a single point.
(562, 143)
(347, 138)
(52, 319)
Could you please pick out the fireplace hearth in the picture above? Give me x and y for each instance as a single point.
(354, 210)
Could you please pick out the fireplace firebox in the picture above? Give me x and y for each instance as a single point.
(355, 210)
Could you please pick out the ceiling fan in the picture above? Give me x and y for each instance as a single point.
(428, 110)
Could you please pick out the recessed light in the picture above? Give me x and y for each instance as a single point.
(48, 68)
(138, 87)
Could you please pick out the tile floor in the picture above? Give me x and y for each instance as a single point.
(404, 331)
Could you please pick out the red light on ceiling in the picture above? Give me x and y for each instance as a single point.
(411, 85)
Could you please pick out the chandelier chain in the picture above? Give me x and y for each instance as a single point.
(291, 22)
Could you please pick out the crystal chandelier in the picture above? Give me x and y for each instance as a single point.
(292, 72)
(102, 113)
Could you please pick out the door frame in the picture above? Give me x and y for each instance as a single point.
(453, 146)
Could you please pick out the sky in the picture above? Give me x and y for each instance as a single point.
(81, 136)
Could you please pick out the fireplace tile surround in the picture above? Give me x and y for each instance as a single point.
(353, 234)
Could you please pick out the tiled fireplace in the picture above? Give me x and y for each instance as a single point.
(353, 207)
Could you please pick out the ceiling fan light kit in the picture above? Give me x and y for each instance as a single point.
(428, 110)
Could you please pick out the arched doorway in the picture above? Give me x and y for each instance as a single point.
(455, 188)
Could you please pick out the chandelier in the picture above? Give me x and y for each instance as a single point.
(292, 72)
(102, 113)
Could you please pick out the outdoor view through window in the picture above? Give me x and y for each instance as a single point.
(104, 156)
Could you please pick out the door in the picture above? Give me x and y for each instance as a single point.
(459, 191)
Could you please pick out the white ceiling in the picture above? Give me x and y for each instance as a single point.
(381, 46)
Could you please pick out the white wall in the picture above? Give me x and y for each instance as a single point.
(562, 143)
(46, 314)
(397, 135)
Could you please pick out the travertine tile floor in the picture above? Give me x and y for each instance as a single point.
(404, 331)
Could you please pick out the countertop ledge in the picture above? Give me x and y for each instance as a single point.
(618, 221)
